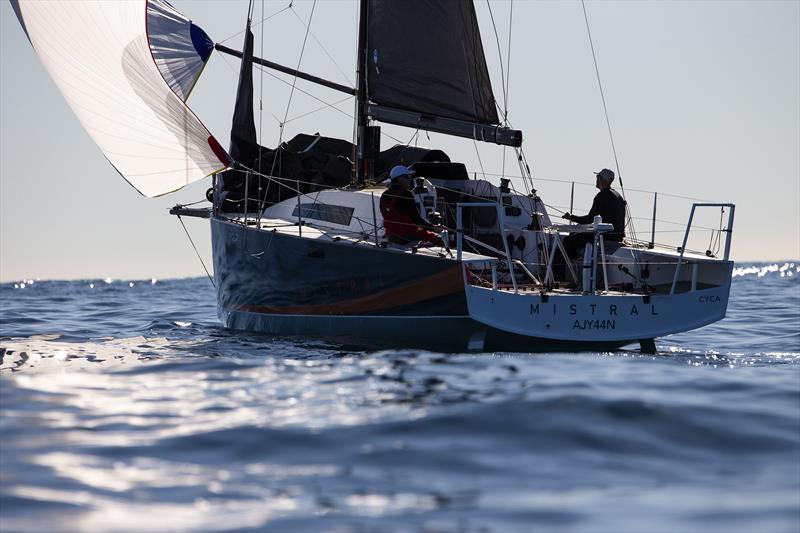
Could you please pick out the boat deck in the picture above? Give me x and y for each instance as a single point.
(309, 230)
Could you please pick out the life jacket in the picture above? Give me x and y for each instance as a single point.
(399, 227)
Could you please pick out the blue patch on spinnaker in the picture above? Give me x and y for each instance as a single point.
(201, 41)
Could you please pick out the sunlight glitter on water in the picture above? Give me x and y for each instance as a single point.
(786, 269)
(131, 408)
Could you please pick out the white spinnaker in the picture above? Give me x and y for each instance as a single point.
(97, 54)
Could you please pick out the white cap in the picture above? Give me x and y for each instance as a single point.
(400, 170)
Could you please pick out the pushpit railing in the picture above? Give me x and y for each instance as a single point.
(728, 233)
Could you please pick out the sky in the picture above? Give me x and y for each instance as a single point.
(703, 99)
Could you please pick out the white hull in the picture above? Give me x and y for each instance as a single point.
(596, 317)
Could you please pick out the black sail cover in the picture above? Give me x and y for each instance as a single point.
(426, 56)
(244, 145)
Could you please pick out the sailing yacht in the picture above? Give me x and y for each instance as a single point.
(298, 239)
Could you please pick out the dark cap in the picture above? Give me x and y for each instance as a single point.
(605, 175)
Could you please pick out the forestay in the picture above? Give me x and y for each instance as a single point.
(126, 87)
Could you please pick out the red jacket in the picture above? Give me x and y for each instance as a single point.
(401, 220)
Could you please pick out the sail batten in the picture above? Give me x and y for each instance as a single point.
(125, 69)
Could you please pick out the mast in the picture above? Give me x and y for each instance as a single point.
(361, 161)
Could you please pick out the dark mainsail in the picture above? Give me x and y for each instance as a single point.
(426, 56)
(421, 65)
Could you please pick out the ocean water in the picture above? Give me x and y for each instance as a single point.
(124, 406)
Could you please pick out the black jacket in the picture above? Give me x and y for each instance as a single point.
(611, 206)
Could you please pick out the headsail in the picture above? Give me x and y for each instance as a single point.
(125, 69)
(426, 56)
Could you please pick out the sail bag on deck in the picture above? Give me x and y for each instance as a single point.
(125, 69)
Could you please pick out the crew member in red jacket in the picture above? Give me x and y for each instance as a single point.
(401, 219)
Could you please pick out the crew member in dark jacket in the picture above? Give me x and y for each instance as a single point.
(401, 219)
(608, 204)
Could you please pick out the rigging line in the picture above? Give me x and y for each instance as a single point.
(525, 180)
(718, 241)
(257, 23)
(300, 194)
(531, 212)
(500, 54)
(260, 107)
(228, 64)
(250, 8)
(518, 156)
(503, 168)
(293, 180)
(508, 81)
(196, 252)
(291, 93)
(276, 180)
(630, 223)
(555, 208)
(508, 55)
(326, 106)
(262, 198)
(681, 197)
(587, 184)
(225, 60)
(522, 159)
(413, 135)
(195, 203)
(299, 61)
(478, 153)
(338, 67)
(525, 169)
(602, 96)
(503, 85)
(318, 99)
(673, 223)
(711, 241)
